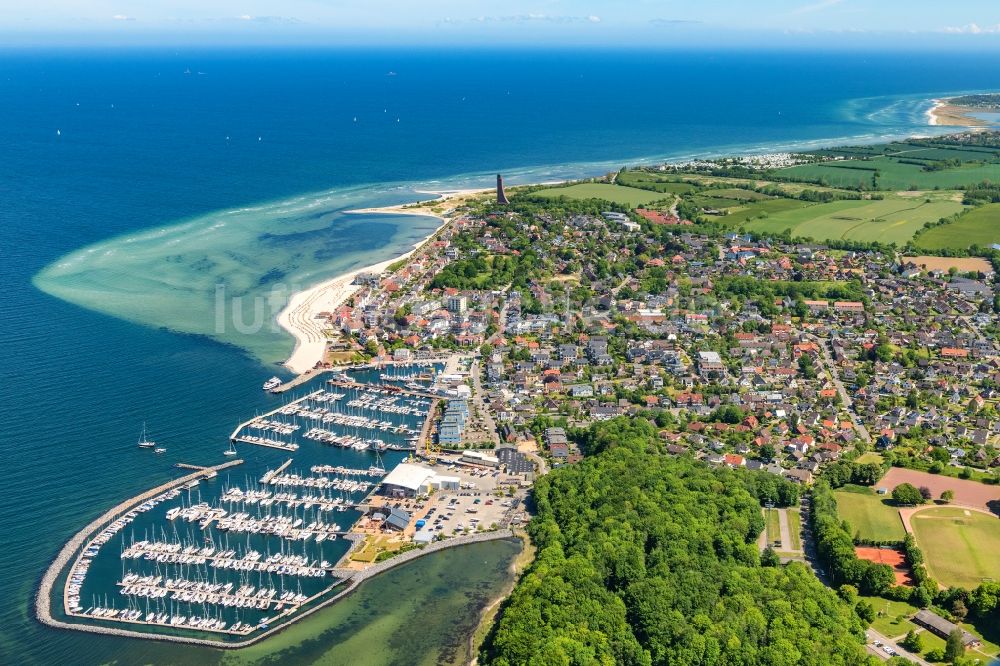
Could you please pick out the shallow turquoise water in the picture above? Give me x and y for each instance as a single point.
(228, 274)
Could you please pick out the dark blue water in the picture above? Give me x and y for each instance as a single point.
(143, 144)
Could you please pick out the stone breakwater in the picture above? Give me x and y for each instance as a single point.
(353, 578)
(43, 597)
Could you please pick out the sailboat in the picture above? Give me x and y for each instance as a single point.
(231, 451)
(143, 442)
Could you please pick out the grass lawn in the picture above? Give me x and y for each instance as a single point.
(773, 526)
(930, 641)
(870, 457)
(795, 529)
(373, 546)
(891, 620)
(960, 549)
(627, 196)
(891, 616)
(870, 515)
(980, 226)
(990, 635)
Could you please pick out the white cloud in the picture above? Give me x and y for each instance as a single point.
(973, 29)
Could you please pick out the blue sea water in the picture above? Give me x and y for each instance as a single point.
(97, 146)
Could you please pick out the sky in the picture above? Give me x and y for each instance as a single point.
(962, 24)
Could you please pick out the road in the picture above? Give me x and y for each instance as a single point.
(885, 640)
(480, 404)
(845, 397)
(871, 635)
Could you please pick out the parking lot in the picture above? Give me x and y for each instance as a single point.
(475, 505)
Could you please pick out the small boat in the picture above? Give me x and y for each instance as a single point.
(143, 442)
(159, 449)
(231, 451)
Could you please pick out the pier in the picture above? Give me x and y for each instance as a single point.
(324, 415)
(425, 431)
(352, 578)
(269, 414)
(305, 377)
(387, 389)
(43, 597)
(197, 468)
(274, 472)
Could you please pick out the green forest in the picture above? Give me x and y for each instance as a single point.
(648, 559)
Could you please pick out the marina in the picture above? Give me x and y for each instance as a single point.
(233, 554)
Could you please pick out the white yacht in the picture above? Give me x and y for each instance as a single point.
(145, 443)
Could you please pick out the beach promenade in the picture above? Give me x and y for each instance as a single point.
(303, 317)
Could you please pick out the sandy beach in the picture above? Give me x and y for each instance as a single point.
(301, 317)
(943, 113)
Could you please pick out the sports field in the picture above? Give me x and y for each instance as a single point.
(892, 220)
(627, 196)
(773, 526)
(961, 264)
(960, 545)
(971, 493)
(891, 556)
(870, 515)
(795, 529)
(980, 226)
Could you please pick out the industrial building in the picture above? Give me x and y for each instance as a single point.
(409, 480)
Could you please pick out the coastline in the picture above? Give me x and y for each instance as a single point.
(945, 114)
(300, 316)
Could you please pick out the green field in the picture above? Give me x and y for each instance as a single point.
(751, 211)
(980, 226)
(737, 194)
(960, 546)
(655, 181)
(892, 174)
(833, 174)
(627, 196)
(892, 220)
(870, 515)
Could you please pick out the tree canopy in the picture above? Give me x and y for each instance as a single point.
(648, 559)
(907, 494)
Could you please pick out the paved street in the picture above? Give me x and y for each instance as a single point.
(845, 397)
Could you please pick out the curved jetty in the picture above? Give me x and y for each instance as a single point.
(43, 598)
